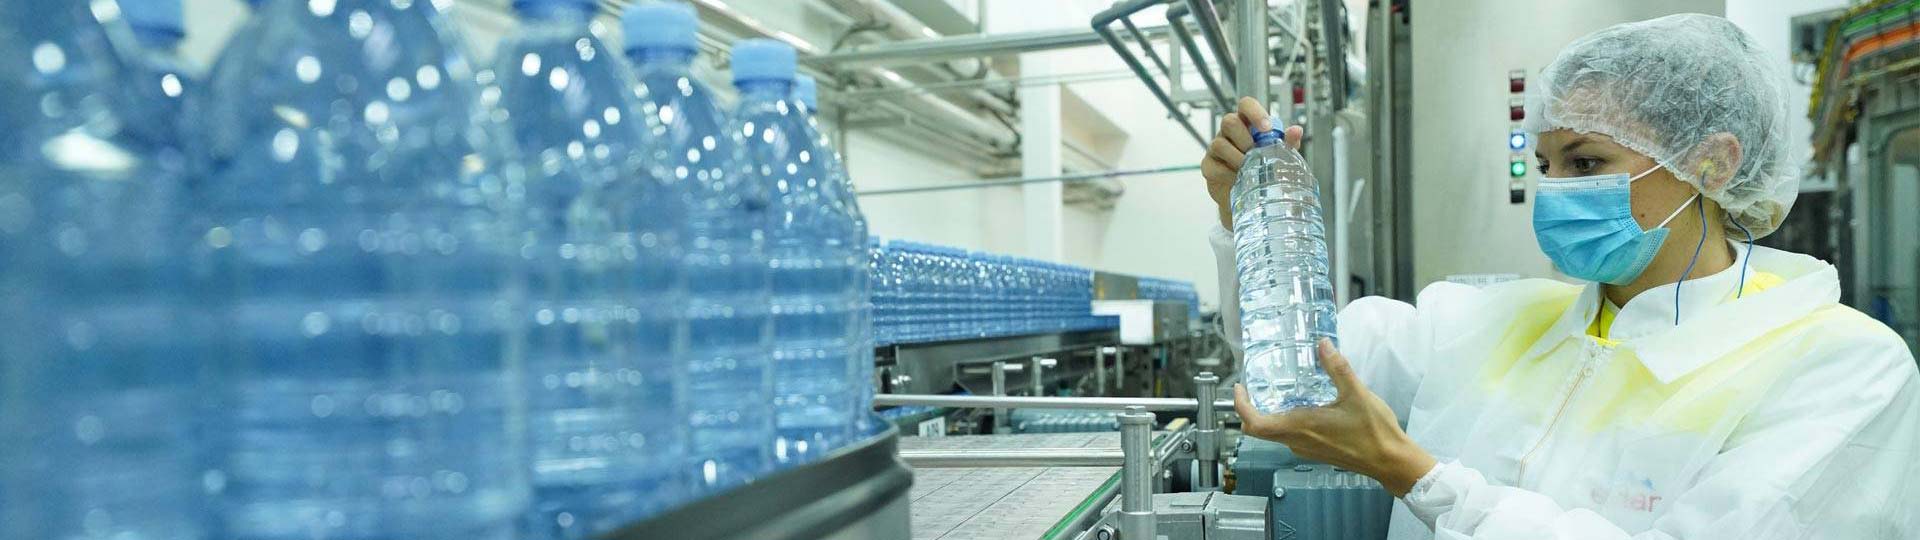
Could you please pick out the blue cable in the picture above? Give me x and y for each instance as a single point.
(1744, 261)
(1689, 270)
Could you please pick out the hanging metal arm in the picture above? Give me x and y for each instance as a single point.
(1209, 19)
(1102, 24)
(1176, 22)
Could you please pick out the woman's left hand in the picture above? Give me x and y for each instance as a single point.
(1357, 432)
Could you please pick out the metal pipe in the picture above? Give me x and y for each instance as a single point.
(999, 391)
(1038, 376)
(1206, 430)
(981, 184)
(903, 25)
(1146, 46)
(1039, 457)
(1100, 26)
(1250, 26)
(1175, 16)
(921, 51)
(952, 115)
(1120, 369)
(1209, 19)
(1031, 402)
(1136, 475)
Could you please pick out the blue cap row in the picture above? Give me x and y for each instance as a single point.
(661, 25)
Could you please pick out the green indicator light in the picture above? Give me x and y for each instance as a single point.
(1517, 169)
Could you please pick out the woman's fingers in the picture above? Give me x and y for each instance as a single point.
(1339, 370)
(1224, 151)
(1233, 129)
(1293, 136)
(1255, 115)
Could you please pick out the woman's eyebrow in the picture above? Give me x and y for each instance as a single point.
(1574, 144)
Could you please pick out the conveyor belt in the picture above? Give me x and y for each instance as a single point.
(1002, 503)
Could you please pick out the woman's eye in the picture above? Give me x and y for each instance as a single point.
(1585, 165)
(1542, 167)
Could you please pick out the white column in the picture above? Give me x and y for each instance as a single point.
(1040, 144)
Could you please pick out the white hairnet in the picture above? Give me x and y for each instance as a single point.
(1664, 86)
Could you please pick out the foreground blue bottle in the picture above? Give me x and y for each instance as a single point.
(96, 373)
(840, 191)
(813, 251)
(727, 368)
(355, 240)
(604, 285)
(161, 80)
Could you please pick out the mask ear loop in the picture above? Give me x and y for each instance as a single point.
(1690, 262)
(1745, 260)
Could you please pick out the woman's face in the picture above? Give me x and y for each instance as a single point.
(1565, 153)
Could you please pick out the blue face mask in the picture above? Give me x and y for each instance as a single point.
(1586, 226)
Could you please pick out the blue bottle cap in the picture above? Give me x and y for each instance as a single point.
(661, 25)
(762, 59)
(163, 20)
(1268, 137)
(807, 91)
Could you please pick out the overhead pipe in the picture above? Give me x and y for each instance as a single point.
(1175, 16)
(903, 25)
(1209, 19)
(947, 112)
(1102, 24)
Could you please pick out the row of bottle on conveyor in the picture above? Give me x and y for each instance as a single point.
(931, 293)
(348, 285)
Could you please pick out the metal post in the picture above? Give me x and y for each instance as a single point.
(1206, 429)
(1119, 370)
(1250, 42)
(1136, 475)
(1100, 370)
(999, 389)
(1039, 380)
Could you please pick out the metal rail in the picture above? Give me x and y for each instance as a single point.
(1029, 402)
(1065, 178)
(967, 46)
(1038, 457)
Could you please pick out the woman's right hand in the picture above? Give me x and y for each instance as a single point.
(1230, 145)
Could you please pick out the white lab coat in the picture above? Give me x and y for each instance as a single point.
(1780, 414)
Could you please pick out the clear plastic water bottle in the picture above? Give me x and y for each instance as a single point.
(814, 254)
(355, 238)
(1280, 251)
(601, 243)
(161, 79)
(98, 371)
(840, 191)
(728, 370)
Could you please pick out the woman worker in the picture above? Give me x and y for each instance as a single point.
(1698, 387)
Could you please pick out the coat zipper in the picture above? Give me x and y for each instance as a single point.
(1592, 350)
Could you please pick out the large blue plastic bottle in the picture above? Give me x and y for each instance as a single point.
(604, 289)
(840, 189)
(161, 80)
(729, 392)
(355, 243)
(813, 251)
(97, 373)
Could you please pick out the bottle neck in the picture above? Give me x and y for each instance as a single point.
(157, 39)
(661, 56)
(765, 89)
